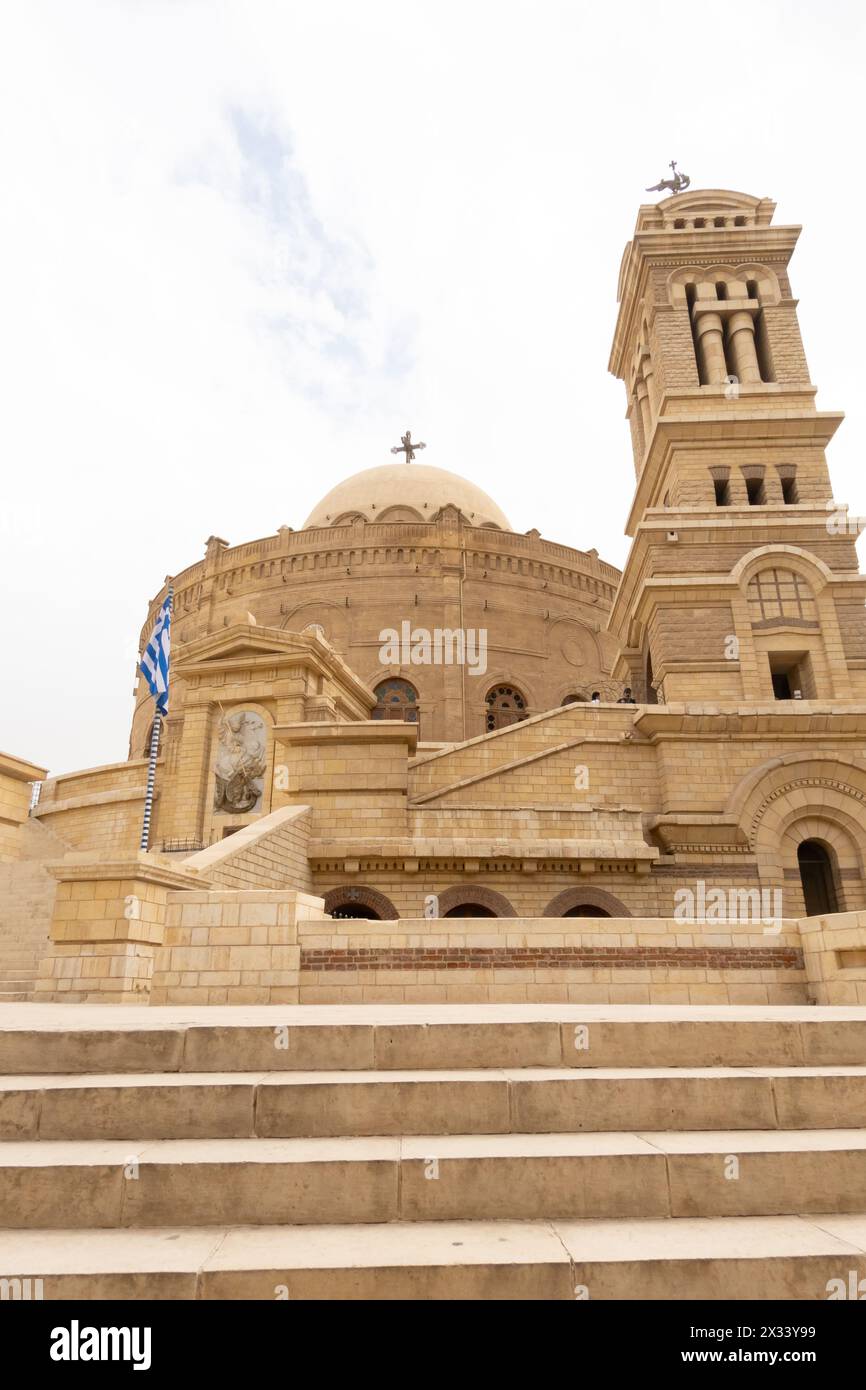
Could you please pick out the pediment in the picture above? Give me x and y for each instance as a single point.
(243, 643)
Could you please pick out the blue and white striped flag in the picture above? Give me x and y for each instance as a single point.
(155, 659)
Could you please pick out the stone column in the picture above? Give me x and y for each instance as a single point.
(711, 348)
(184, 798)
(741, 336)
(645, 411)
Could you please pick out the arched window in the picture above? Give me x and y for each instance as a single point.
(397, 699)
(469, 910)
(817, 878)
(777, 594)
(356, 912)
(505, 705)
(574, 700)
(360, 904)
(586, 910)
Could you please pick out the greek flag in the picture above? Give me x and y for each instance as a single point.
(154, 661)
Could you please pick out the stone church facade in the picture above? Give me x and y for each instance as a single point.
(398, 766)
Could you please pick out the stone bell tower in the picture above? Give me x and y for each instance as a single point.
(742, 581)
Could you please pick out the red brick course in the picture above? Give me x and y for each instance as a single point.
(551, 957)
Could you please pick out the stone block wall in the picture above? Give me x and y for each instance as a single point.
(834, 951)
(549, 960)
(99, 810)
(230, 947)
(16, 778)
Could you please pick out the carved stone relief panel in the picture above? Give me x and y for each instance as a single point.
(241, 759)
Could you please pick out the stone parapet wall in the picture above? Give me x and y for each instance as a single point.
(549, 960)
(16, 778)
(232, 947)
(99, 809)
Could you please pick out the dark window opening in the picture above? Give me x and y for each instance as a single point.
(679, 223)
(790, 495)
(652, 696)
(718, 221)
(782, 685)
(762, 348)
(721, 289)
(755, 492)
(817, 878)
(700, 222)
(469, 910)
(722, 488)
(355, 912)
(752, 289)
(739, 221)
(586, 910)
(691, 298)
(792, 676)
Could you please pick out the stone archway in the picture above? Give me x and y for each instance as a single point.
(800, 797)
(467, 895)
(564, 904)
(378, 907)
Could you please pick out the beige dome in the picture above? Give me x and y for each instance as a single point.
(405, 492)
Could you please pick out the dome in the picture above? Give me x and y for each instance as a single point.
(405, 492)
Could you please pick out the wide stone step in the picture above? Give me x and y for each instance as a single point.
(788, 1257)
(430, 1177)
(38, 1039)
(209, 1105)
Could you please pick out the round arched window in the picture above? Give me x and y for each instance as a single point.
(397, 699)
(505, 705)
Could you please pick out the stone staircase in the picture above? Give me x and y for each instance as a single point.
(435, 1152)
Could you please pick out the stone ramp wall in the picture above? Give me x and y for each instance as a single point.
(271, 853)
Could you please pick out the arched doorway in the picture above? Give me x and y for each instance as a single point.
(356, 912)
(469, 910)
(817, 878)
(586, 910)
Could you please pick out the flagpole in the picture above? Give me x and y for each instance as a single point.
(151, 780)
(151, 765)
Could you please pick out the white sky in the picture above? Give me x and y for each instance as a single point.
(245, 245)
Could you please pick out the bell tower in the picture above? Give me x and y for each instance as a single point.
(742, 581)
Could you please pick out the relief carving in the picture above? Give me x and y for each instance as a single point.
(240, 763)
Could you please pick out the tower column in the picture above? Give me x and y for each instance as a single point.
(741, 336)
(649, 377)
(711, 348)
(642, 394)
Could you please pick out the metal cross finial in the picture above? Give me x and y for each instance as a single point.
(407, 447)
(676, 184)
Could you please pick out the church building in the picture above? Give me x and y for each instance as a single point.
(413, 755)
